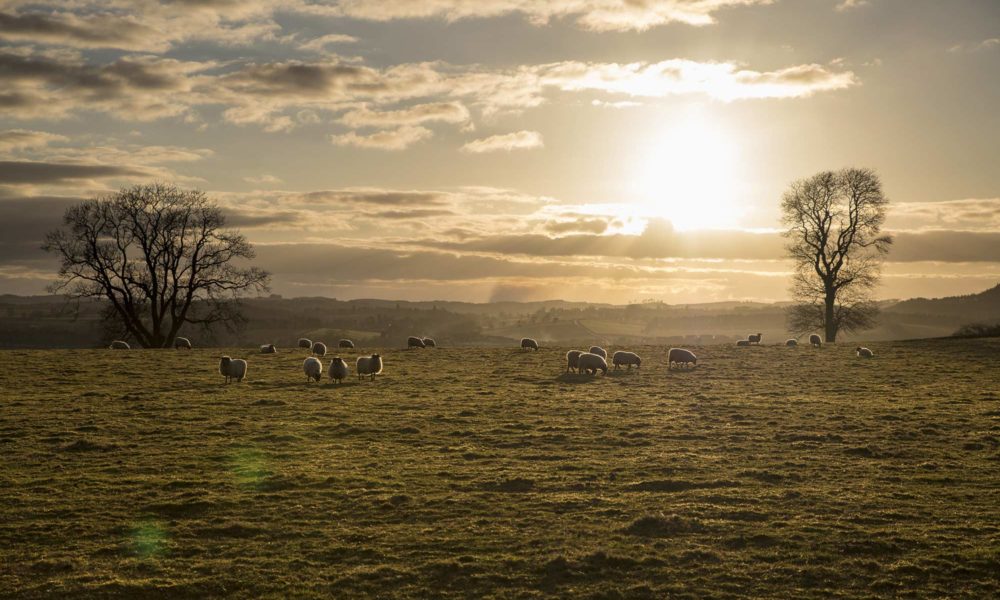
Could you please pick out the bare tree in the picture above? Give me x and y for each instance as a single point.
(160, 256)
(834, 222)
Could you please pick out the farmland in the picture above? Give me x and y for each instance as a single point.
(770, 471)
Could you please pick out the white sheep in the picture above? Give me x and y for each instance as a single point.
(369, 365)
(312, 368)
(591, 363)
(430, 343)
(305, 343)
(119, 345)
(743, 343)
(681, 357)
(599, 351)
(345, 344)
(338, 369)
(626, 358)
(754, 338)
(791, 343)
(233, 368)
(815, 340)
(572, 359)
(864, 352)
(182, 342)
(319, 349)
(415, 342)
(268, 349)
(528, 344)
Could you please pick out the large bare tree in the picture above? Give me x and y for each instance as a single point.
(835, 238)
(160, 256)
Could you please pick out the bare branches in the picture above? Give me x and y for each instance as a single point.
(154, 252)
(834, 227)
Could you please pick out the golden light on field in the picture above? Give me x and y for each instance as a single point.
(690, 173)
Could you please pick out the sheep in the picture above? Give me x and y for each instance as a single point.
(119, 345)
(754, 338)
(599, 351)
(528, 344)
(791, 343)
(864, 352)
(345, 344)
(305, 343)
(338, 369)
(182, 342)
(415, 342)
(268, 349)
(369, 365)
(681, 357)
(319, 349)
(591, 363)
(233, 368)
(430, 343)
(743, 343)
(312, 368)
(626, 358)
(815, 340)
(572, 359)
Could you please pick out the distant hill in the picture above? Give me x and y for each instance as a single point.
(48, 322)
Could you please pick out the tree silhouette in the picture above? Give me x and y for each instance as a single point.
(161, 258)
(834, 222)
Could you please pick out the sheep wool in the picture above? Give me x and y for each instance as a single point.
(430, 343)
(864, 352)
(182, 342)
(572, 359)
(626, 358)
(268, 349)
(681, 357)
(592, 363)
(415, 342)
(815, 340)
(338, 369)
(345, 344)
(529, 344)
(599, 351)
(233, 368)
(312, 368)
(754, 338)
(319, 349)
(791, 343)
(369, 365)
(119, 345)
(743, 343)
(305, 343)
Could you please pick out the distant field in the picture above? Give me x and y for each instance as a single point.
(766, 472)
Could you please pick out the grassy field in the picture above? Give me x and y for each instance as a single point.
(766, 472)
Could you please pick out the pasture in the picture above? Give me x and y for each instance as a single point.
(766, 472)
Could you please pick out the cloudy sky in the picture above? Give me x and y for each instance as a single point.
(611, 150)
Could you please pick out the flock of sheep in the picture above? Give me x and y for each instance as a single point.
(593, 360)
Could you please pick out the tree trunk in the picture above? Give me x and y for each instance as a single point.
(829, 320)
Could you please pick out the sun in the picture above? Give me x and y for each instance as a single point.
(690, 174)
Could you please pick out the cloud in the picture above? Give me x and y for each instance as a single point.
(263, 179)
(97, 31)
(319, 44)
(394, 139)
(584, 225)
(974, 214)
(444, 112)
(520, 140)
(984, 45)
(24, 172)
(849, 4)
(17, 139)
(597, 15)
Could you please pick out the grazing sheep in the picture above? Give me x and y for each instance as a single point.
(305, 343)
(345, 344)
(415, 342)
(369, 365)
(119, 345)
(626, 358)
(268, 349)
(313, 368)
(743, 343)
(338, 369)
(319, 349)
(864, 352)
(815, 340)
(681, 357)
(233, 368)
(591, 363)
(182, 342)
(754, 338)
(528, 344)
(572, 359)
(599, 351)
(430, 343)
(791, 343)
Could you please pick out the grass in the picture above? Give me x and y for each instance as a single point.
(765, 472)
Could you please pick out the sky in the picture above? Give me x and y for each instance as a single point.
(604, 150)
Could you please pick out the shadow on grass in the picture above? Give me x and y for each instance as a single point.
(576, 378)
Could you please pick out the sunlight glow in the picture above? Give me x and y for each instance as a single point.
(691, 174)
